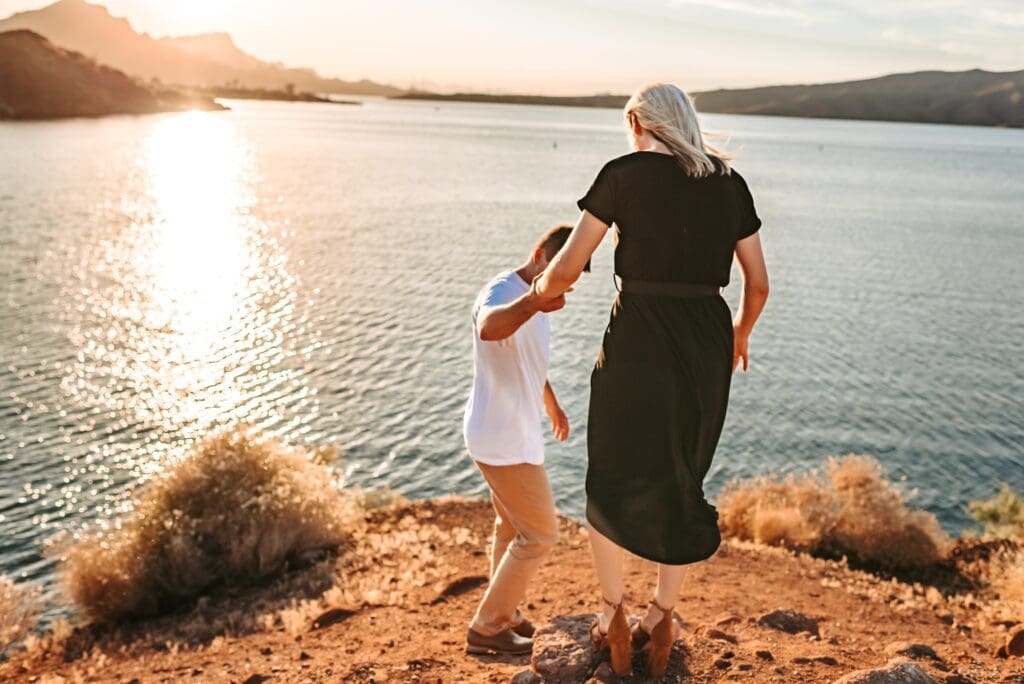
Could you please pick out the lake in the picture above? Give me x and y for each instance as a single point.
(309, 269)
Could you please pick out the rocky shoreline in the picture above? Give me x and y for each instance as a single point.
(392, 605)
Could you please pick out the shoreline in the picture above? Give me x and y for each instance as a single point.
(392, 604)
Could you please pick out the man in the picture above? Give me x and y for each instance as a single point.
(503, 435)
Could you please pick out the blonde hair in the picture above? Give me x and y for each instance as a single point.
(668, 113)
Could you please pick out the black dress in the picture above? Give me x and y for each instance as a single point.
(660, 388)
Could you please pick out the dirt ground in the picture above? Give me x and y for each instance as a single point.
(436, 585)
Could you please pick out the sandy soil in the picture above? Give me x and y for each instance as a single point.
(436, 580)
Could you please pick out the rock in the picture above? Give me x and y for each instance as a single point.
(911, 650)
(562, 651)
(764, 654)
(709, 632)
(958, 679)
(525, 677)
(946, 617)
(722, 664)
(789, 621)
(332, 617)
(1014, 645)
(304, 656)
(825, 660)
(256, 679)
(726, 619)
(801, 660)
(894, 672)
(603, 674)
(743, 667)
(459, 586)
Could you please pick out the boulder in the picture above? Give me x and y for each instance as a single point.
(789, 621)
(562, 651)
(895, 672)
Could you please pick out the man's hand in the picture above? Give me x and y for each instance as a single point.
(546, 305)
(559, 423)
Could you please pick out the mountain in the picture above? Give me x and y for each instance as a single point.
(203, 60)
(977, 97)
(599, 101)
(39, 80)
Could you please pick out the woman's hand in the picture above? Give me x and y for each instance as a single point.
(545, 305)
(559, 423)
(740, 348)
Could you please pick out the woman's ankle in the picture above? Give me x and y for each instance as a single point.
(608, 609)
(655, 613)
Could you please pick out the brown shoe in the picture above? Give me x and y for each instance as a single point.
(525, 628)
(616, 640)
(659, 648)
(505, 642)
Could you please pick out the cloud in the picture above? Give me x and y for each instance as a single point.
(772, 8)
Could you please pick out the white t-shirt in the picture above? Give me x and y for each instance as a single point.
(502, 425)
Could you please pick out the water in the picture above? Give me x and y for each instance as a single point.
(309, 269)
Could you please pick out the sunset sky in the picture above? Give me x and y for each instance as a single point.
(585, 46)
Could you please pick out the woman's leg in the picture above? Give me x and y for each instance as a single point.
(608, 558)
(670, 580)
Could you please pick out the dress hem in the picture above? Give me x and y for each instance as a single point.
(650, 557)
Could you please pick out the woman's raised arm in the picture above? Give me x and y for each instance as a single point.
(570, 261)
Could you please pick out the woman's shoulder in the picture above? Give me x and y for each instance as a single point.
(637, 158)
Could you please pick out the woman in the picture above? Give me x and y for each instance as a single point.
(660, 387)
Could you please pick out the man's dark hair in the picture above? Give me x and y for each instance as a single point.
(554, 239)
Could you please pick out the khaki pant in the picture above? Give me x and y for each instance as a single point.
(525, 528)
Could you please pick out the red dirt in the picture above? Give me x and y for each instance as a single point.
(422, 638)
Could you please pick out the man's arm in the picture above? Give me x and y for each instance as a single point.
(559, 421)
(500, 322)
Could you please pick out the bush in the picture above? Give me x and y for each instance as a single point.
(232, 512)
(1002, 515)
(851, 510)
(19, 608)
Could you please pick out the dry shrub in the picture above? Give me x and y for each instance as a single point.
(1006, 579)
(1002, 515)
(851, 509)
(233, 511)
(19, 608)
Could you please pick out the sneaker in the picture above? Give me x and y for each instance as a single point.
(525, 628)
(506, 642)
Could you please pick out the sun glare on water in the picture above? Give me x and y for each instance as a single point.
(189, 298)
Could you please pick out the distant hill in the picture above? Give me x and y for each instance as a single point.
(203, 60)
(977, 97)
(39, 80)
(607, 101)
(982, 98)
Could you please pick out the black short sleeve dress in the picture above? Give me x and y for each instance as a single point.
(660, 388)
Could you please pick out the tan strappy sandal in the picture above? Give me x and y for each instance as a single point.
(616, 640)
(659, 641)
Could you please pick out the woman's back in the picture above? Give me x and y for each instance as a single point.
(671, 227)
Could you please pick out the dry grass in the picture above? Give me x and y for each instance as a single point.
(1002, 515)
(851, 509)
(19, 608)
(234, 511)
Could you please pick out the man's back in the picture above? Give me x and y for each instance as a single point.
(502, 421)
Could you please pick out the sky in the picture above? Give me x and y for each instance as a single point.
(592, 46)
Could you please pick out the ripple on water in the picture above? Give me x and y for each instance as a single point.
(311, 271)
